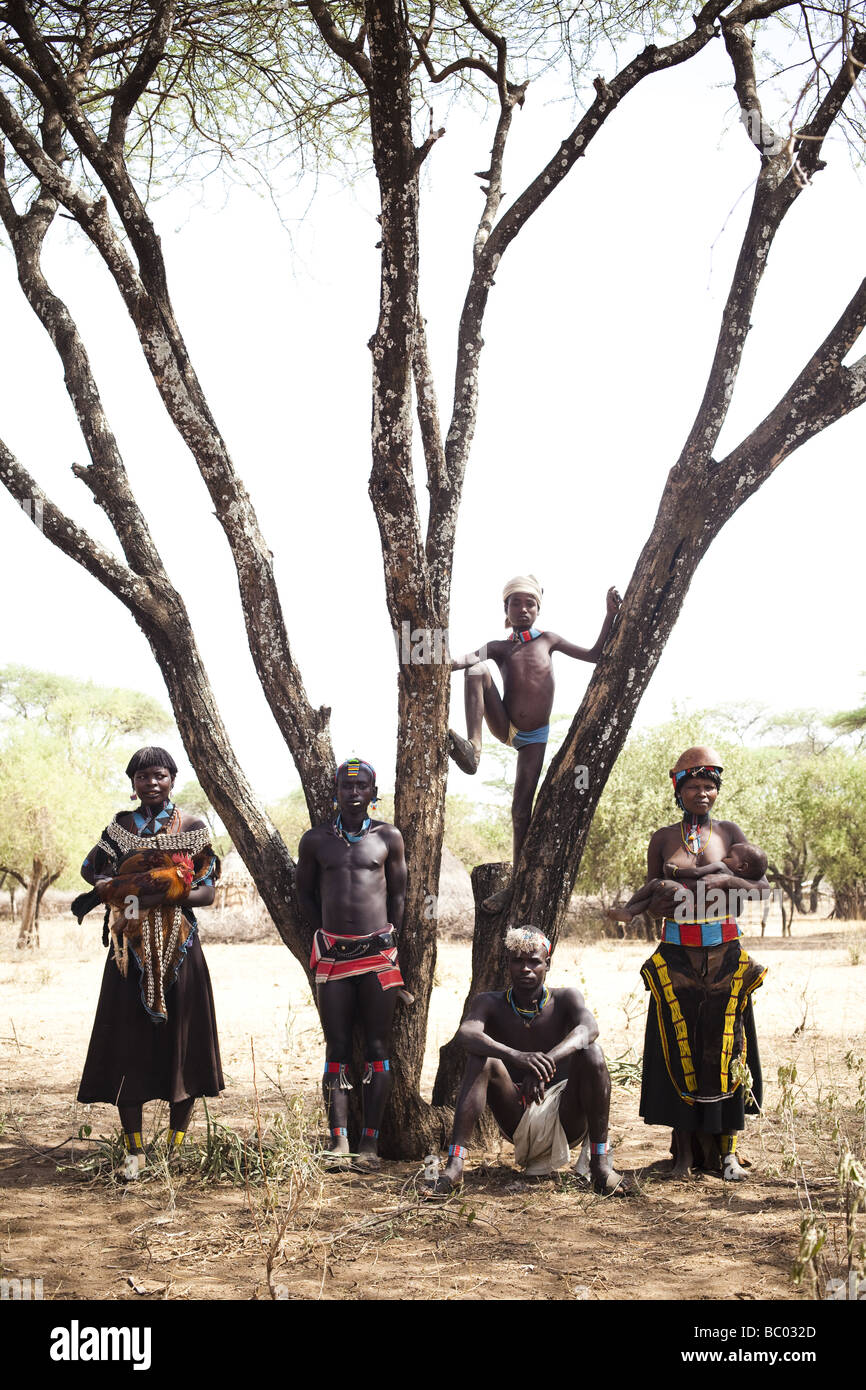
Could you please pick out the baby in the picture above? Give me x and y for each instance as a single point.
(742, 860)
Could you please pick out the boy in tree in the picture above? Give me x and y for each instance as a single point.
(520, 716)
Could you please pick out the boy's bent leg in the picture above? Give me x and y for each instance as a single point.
(485, 1081)
(336, 1011)
(377, 1014)
(585, 1109)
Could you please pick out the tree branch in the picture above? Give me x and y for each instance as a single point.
(24, 73)
(13, 874)
(133, 87)
(344, 48)
(162, 617)
(808, 140)
(824, 392)
(778, 186)
(135, 591)
(107, 477)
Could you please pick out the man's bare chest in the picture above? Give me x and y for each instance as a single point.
(368, 855)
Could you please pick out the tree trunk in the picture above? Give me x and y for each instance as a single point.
(813, 893)
(488, 972)
(850, 902)
(27, 932)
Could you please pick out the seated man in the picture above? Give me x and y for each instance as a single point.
(533, 1057)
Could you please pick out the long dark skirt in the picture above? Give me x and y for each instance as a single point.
(131, 1059)
(660, 1104)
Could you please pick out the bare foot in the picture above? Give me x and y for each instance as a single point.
(367, 1162)
(608, 1182)
(498, 902)
(464, 753)
(449, 1181)
(336, 1155)
(679, 1170)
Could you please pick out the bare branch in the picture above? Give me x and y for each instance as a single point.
(779, 185)
(24, 73)
(499, 44)
(146, 65)
(739, 47)
(147, 300)
(134, 591)
(808, 140)
(824, 392)
(351, 53)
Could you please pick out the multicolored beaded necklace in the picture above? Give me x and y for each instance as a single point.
(692, 841)
(528, 635)
(152, 821)
(527, 1016)
(347, 835)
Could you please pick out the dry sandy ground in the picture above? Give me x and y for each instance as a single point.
(356, 1237)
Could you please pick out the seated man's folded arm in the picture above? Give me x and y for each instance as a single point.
(473, 1038)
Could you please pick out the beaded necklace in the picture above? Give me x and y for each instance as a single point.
(527, 1016)
(529, 634)
(692, 841)
(152, 822)
(347, 835)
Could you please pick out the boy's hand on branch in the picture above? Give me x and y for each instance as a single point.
(614, 601)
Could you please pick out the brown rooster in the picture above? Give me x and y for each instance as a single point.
(151, 873)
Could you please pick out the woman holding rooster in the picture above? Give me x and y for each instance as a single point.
(154, 1036)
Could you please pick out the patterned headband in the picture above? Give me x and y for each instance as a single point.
(352, 766)
(713, 774)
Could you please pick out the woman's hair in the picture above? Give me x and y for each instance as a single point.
(150, 757)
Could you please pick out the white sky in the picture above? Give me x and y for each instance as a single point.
(598, 337)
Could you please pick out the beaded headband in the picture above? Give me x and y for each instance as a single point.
(352, 766)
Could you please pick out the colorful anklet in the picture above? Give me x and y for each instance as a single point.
(370, 1133)
(599, 1148)
(457, 1151)
(340, 1132)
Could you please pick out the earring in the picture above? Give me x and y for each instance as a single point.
(372, 807)
(133, 797)
(336, 804)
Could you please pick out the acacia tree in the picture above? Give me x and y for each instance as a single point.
(86, 85)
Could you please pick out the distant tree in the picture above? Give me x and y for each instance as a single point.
(63, 747)
(840, 832)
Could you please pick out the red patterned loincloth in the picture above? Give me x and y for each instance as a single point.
(336, 957)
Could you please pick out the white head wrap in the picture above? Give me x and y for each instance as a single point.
(522, 584)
